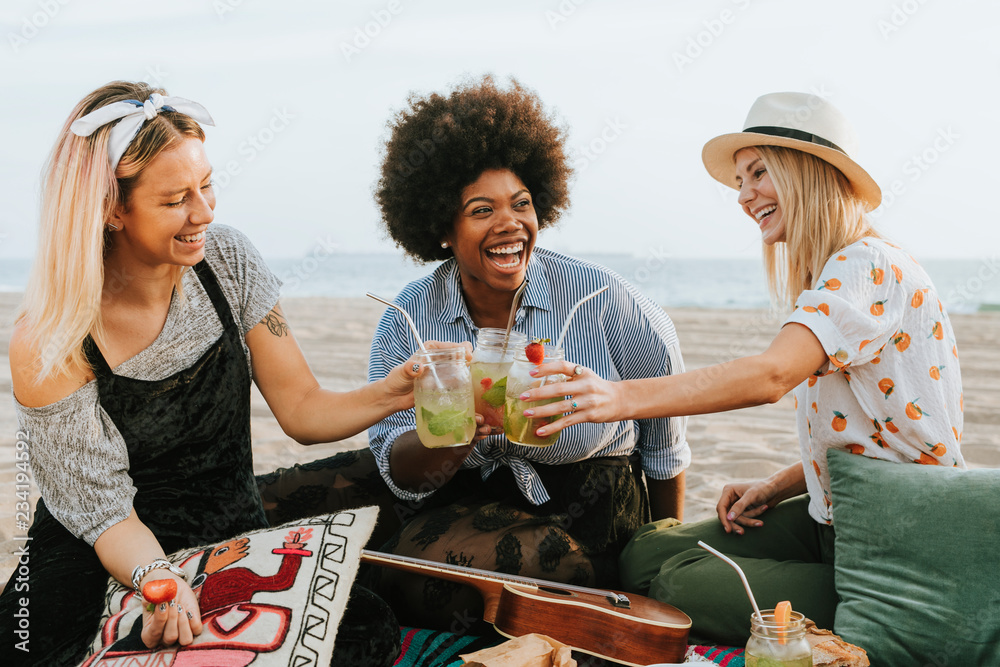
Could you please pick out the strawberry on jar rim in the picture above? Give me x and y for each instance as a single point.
(535, 351)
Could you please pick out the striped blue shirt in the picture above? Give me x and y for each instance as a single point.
(620, 335)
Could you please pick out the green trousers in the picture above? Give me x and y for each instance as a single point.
(789, 558)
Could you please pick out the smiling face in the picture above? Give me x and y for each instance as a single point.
(758, 197)
(494, 232)
(168, 209)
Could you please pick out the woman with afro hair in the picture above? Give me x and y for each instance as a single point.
(470, 178)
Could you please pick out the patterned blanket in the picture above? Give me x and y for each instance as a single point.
(430, 648)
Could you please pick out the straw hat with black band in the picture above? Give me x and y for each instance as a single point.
(794, 120)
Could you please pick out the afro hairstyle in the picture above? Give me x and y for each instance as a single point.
(439, 145)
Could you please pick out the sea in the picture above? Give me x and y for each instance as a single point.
(964, 285)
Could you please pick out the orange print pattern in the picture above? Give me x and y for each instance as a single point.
(886, 385)
(913, 410)
(839, 422)
(928, 460)
(907, 345)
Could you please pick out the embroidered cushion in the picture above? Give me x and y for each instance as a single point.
(270, 597)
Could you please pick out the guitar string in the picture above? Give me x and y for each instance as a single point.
(485, 574)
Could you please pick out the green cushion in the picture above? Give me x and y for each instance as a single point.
(916, 561)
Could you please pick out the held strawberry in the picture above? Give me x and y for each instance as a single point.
(535, 351)
(158, 591)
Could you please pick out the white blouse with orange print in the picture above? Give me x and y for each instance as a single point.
(892, 388)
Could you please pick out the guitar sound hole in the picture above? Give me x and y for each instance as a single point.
(554, 591)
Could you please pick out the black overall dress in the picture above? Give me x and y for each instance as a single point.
(188, 440)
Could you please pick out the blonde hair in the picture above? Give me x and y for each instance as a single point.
(80, 194)
(821, 214)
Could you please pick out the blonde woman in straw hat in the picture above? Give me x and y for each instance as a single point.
(868, 350)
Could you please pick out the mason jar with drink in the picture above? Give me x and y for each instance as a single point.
(518, 428)
(778, 639)
(442, 397)
(491, 362)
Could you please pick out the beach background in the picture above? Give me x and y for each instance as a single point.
(335, 334)
(301, 93)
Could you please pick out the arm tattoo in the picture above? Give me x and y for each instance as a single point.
(275, 322)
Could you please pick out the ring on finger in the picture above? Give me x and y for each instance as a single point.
(578, 370)
(415, 368)
(575, 406)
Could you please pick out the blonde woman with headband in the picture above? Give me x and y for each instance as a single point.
(868, 350)
(142, 327)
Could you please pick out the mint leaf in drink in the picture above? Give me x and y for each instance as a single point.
(445, 421)
(496, 394)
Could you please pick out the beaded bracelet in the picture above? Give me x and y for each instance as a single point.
(159, 564)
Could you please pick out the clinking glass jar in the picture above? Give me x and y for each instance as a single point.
(490, 365)
(442, 397)
(518, 428)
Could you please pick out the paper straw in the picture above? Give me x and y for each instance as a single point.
(413, 328)
(739, 571)
(569, 317)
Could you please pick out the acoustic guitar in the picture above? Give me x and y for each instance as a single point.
(627, 628)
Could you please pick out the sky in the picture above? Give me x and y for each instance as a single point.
(301, 93)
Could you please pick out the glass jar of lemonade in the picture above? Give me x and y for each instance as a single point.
(773, 644)
(442, 395)
(490, 364)
(518, 428)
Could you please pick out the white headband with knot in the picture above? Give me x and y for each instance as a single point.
(133, 114)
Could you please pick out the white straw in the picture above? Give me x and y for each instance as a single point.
(562, 334)
(413, 328)
(739, 571)
(569, 317)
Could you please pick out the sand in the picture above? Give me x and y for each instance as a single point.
(740, 445)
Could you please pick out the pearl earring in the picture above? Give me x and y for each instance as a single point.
(444, 244)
